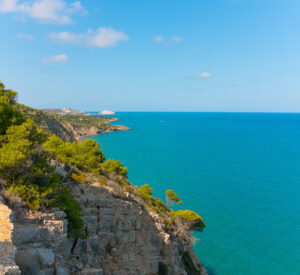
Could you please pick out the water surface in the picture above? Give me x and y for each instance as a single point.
(240, 171)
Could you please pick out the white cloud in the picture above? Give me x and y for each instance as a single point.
(105, 37)
(177, 39)
(61, 58)
(102, 37)
(158, 39)
(204, 75)
(65, 37)
(45, 11)
(8, 5)
(25, 36)
(238, 83)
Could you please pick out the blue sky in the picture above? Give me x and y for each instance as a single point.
(171, 55)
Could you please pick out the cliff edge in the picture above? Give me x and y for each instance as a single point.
(65, 209)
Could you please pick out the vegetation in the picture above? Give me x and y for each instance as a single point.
(8, 112)
(146, 191)
(25, 153)
(190, 216)
(114, 166)
(66, 202)
(24, 169)
(172, 197)
(84, 120)
(85, 155)
(167, 214)
(78, 177)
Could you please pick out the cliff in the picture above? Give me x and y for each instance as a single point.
(65, 209)
(124, 237)
(71, 127)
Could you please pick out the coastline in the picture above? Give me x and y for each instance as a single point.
(84, 132)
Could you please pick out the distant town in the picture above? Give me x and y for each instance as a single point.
(69, 111)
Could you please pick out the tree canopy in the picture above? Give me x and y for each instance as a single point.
(8, 112)
(172, 197)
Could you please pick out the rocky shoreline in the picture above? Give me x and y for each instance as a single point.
(80, 132)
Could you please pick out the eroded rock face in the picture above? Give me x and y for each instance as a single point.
(123, 238)
(7, 249)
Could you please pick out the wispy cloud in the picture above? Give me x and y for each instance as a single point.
(45, 11)
(204, 75)
(238, 83)
(105, 37)
(61, 58)
(158, 39)
(25, 36)
(102, 37)
(66, 37)
(177, 39)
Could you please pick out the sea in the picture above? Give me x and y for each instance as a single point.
(239, 171)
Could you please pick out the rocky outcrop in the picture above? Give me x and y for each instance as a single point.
(68, 130)
(7, 248)
(55, 127)
(81, 131)
(123, 237)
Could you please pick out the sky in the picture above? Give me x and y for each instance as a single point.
(142, 55)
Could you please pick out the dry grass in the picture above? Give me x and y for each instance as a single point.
(12, 200)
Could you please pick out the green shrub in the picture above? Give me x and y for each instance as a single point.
(24, 167)
(190, 216)
(78, 177)
(36, 184)
(17, 144)
(172, 197)
(85, 155)
(65, 200)
(159, 206)
(145, 191)
(9, 115)
(114, 166)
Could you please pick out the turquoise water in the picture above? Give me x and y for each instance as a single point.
(241, 172)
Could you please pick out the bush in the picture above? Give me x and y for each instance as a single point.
(172, 197)
(190, 216)
(114, 166)
(66, 202)
(145, 191)
(85, 155)
(9, 115)
(24, 169)
(36, 185)
(78, 177)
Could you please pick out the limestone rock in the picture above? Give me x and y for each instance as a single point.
(123, 238)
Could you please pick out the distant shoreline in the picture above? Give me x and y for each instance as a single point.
(96, 131)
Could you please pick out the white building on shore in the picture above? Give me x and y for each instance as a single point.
(106, 112)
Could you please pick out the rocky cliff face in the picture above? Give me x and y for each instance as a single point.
(80, 132)
(7, 248)
(123, 235)
(123, 238)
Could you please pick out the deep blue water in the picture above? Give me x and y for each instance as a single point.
(240, 171)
